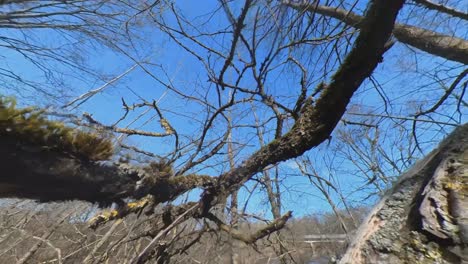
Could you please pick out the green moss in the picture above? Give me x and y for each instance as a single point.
(30, 125)
(160, 168)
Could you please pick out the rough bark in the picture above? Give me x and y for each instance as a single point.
(32, 171)
(423, 218)
(448, 47)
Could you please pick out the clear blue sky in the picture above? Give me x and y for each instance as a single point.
(187, 73)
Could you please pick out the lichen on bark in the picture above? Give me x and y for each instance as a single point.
(423, 218)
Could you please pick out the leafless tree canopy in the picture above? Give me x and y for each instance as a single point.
(181, 117)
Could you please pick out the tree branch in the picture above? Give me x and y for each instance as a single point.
(276, 225)
(30, 171)
(448, 47)
(442, 8)
(316, 122)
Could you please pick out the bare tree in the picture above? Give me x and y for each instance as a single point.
(54, 39)
(272, 81)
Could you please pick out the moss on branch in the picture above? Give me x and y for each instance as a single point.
(30, 125)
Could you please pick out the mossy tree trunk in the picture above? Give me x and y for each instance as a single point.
(424, 217)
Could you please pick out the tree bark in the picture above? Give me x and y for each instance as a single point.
(424, 217)
(33, 171)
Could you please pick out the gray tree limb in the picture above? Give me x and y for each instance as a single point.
(447, 47)
(32, 171)
(442, 8)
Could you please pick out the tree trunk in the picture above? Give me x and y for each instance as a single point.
(424, 217)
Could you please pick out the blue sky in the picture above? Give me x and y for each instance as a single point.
(172, 63)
